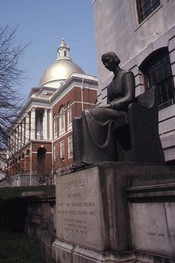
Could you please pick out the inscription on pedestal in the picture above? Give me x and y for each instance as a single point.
(153, 227)
(79, 210)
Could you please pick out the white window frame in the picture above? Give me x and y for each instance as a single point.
(61, 121)
(62, 150)
(70, 147)
(69, 116)
(55, 126)
(55, 152)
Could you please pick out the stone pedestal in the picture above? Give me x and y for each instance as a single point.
(99, 217)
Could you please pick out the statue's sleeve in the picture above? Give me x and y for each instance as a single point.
(128, 91)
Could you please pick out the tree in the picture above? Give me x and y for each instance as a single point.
(10, 79)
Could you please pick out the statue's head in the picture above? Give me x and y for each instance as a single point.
(112, 55)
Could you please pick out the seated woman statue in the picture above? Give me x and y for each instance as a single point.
(93, 140)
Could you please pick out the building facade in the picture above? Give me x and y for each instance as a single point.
(40, 143)
(142, 33)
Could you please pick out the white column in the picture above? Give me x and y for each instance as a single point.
(17, 137)
(23, 132)
(45, 123)
(33, 124)
(27, 128)
(16, 140)
(50, 125)
(20, 135)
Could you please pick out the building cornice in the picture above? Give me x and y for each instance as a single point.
(78, 80)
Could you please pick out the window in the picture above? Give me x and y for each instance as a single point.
(69, 116)
(61, 121)
(39, 123)
(62, 150)
(54, 126)
(41, 156)
(70, 147)
(146, 7)
(157, 71)
(55, 152)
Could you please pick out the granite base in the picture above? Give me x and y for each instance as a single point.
(105, 211)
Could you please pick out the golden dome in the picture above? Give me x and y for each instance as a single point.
(61, 69)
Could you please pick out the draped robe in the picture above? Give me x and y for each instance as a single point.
(93, 132)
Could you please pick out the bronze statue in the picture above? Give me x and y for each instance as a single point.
(92, 133)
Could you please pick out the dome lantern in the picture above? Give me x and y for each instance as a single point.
(63, 51)
(61, 70)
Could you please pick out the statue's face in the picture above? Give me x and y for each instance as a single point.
(109, 63)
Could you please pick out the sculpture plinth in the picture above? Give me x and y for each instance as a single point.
(97, 215)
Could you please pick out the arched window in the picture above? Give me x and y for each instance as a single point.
(69, 116)
(61, 121)
(55, 127)
(157, 72)
(41, 154)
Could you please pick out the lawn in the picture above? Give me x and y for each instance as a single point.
(17, 248)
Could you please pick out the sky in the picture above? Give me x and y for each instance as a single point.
(42, 24)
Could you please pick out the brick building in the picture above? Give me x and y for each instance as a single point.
(40, 144)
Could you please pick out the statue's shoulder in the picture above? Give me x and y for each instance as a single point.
(125, 73)
(122, 73)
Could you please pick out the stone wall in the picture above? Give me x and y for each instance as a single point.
(12, 214)
(40, 222)
(35, 217)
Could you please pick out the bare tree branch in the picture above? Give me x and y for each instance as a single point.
(10, 81)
